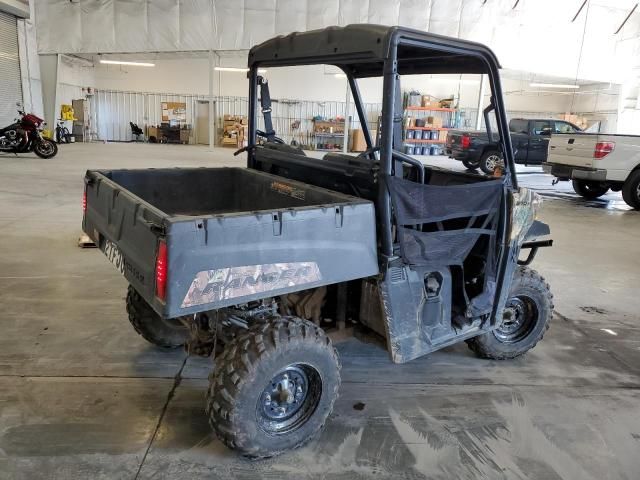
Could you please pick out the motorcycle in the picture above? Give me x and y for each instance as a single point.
(25, 135)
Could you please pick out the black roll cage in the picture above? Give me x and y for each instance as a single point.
(370, 50)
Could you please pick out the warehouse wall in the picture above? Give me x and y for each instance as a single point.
(190, 76)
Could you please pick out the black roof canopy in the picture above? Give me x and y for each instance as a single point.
(361, 49)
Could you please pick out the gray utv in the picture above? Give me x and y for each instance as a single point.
(262, 266)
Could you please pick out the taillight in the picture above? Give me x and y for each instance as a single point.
(84, 201)
(465, 141)
(161, 270)
(603, 149)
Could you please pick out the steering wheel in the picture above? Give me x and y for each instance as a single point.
(260, 133)
(368, 153)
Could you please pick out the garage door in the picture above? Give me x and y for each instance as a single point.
(10, 84)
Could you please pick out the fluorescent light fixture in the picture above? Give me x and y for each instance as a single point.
(340, 75)
(133, 64)
(553, 85)
(236, 69)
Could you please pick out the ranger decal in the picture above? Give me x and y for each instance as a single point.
(225, 283)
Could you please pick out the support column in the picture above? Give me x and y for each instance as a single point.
(347, 118)
(211, 99)
(49, 79)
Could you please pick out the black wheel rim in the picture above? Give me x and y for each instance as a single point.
(519, 318)
(289, 399)
(45, 148)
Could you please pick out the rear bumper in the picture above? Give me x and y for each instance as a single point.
(461, 155)
(572, 172)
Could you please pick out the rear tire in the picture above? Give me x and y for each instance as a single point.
(45, 149)
(471, 165)
(165, 333)
(273, 387)
(489, 160)
(526, 318)
(631, 190)
(589, 190)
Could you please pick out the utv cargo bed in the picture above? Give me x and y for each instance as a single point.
(197, 239)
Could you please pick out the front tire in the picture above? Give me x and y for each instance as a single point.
(45, 149)
(273, 387)
(471, 165)
(164, 333)
(631, 190)
(527, 315)
(589, 190)
(489, 161)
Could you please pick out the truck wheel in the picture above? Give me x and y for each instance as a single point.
(489, 161)
(470, 165)
(589, 190)
(631, 190)
(526, 318)
(273, 387)
(166, 333)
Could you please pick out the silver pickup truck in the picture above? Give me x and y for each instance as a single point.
(596, 163)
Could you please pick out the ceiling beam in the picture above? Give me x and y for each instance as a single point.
(579, 10)
(626, 19)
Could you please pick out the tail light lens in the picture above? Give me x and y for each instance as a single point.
(465, 141)
(161, 271)
(603, 149)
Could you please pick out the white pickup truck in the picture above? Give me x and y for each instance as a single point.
(596, 163)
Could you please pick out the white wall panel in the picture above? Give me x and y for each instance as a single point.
(195, 23)
(322, 14)
(415, 14)
(383, 12)
(536, 35)
(163, 17)
(130, 18)
(228, 20)
(97, 21)
(353, 11)
(259, 21)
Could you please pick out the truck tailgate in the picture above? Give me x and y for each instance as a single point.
(231, 235)
(574, 149)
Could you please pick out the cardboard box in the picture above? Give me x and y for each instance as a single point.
(434, 121)
(429, 101)
(356, 140)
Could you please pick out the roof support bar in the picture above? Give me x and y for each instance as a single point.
(390, 78)
(357, 99)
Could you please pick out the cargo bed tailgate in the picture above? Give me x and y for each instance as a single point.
(573, 149)
(125, 229)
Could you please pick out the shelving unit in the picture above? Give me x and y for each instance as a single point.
(447, 116)
(328, 133)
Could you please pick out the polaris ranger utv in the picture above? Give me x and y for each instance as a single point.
(260, 267)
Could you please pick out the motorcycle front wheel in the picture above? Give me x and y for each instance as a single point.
(45, 149)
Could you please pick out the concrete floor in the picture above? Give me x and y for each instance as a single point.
(83, 396)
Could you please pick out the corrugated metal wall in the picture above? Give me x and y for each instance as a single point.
(115, 109)
(10, 81)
